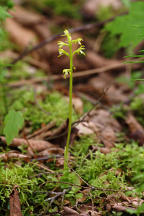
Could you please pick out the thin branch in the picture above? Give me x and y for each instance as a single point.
(57, 194)
(75, 75)
(89, 186)
(54, 37)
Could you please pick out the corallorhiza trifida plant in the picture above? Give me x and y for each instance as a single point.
(69, 72)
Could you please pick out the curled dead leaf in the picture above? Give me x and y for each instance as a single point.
(15, 206)
(136, 130)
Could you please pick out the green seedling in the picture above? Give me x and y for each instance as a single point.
(69, 43)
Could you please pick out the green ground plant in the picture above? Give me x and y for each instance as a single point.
(69, 43)
(95, 168)
(116, 36)
(53, 107)
(11, 117)
(133, 33)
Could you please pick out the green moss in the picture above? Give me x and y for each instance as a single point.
(32, 194)
(95, 168)
(81, 146)
(15, 175)
(53, 108)
(87, 106)
(119, 111)
(131, 81)
(137, 106)
(22, 70)
(100, 171)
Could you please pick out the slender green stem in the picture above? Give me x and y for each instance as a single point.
(70, 54)
(70, 108)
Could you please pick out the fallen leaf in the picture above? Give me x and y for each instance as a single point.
(26, 17)
(84, 129)
(136, 130)
(20, 35)
(11, 155)
(103, 83)
(96, 60)
(78, 104)
(69, 212)
(102, 124)
(55, 150)
(37, 145)
(15, 206)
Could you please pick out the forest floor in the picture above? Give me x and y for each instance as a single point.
(106, 155)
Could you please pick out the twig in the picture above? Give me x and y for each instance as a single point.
(86, 97)
(53, 134)
(57, 194)
(42, 166)
(83, 117)
(43, 129)
(75, 75)
(89, 186)
(13, 155)
(54, 37)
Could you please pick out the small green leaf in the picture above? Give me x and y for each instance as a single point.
(79, 196)
(13, 123)
(130, 27)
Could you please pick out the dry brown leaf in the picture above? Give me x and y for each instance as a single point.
(105, 82)
(102, 124)
(8, 54)
(108, 137)
(26, 17)
(69, 212)
(91, 7)
(84, 129)
(136, 130)
(52, 151)
(42, 130)
(15, 206)
(22, 36)
(77, 104)
(11, 155)
(37, 145)
(92, 213)
(120, 207)
(43, 30)
(95, 60)
(125, 204)
(105, 150)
